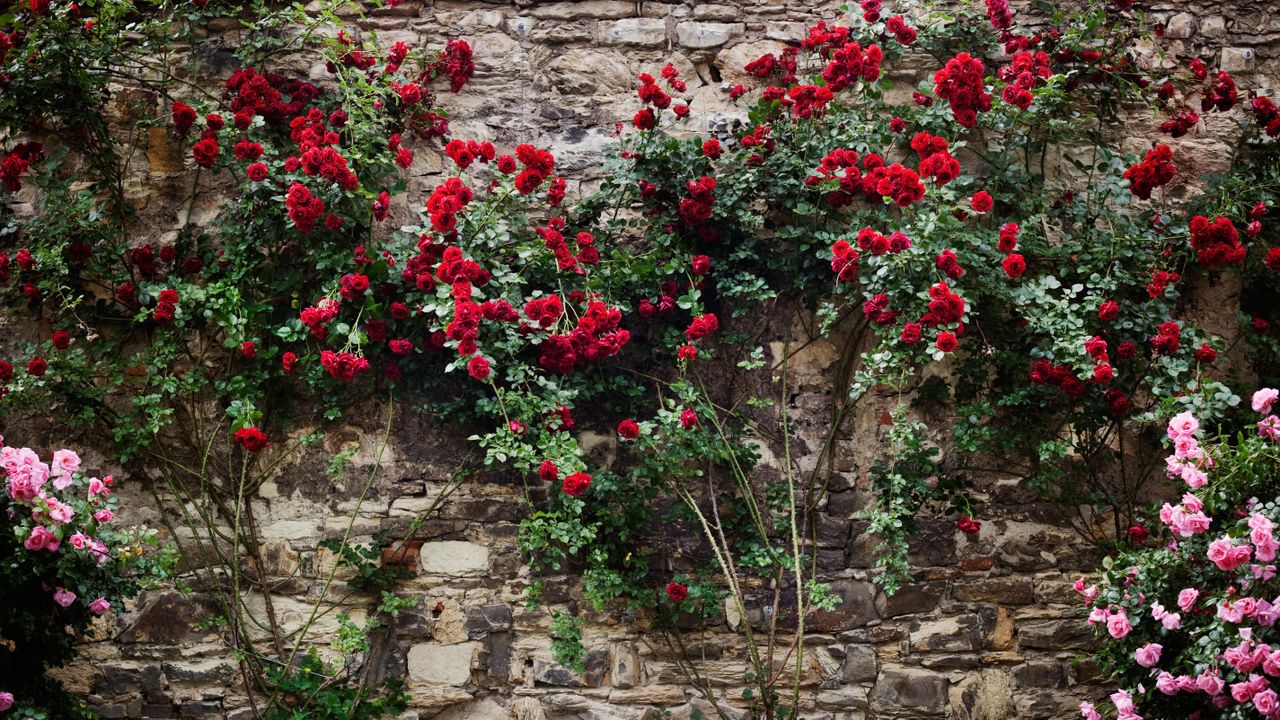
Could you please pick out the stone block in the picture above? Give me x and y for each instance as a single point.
(584, 9)
(645, 32)
(437, 664)
(454, 557)
(1069, 634)
(916, 691)
(702, 35)
(1234, 60)
(1180, 26)
(1003, 590)
(860, 664)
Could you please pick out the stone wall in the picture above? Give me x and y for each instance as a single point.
(990, 630)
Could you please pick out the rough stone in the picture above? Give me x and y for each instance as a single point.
(454, 557)
(647, 32)
(437, 664)
(914, 691)
(1180, 26)
(1237, 60)
(702, 35)
(860, 664)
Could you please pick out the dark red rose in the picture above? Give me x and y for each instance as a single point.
(677, 592)
(251, 439)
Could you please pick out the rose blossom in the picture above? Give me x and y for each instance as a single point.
(1263, 399)
(65, 464)
(1269, 428)
(1118, 624)
(1089, 712)
(1167, 683)
(1148, 655)
(41, 539)
(1187, 598)
(1210, 684)
(1266, 702)
(1182, 425)
(99, 606)
(64, 597)
(6, 701)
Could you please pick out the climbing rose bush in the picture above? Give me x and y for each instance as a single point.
(1188, 615)
(63, 562)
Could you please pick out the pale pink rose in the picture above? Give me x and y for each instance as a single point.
(1194, 477)
(1269, 428)
(65, 464)
(6, 698)
(1226, 556)
(97, 487)
(1118, 624)
(99, 606)
(1182, 425)
(79, 541)
(1171, 621)
(1210, 684)
(1187, 598)
(60, 512)
(104, 516)
(1230, 612)
(1263, 572)
(1089, 712)
(1167, 683)
(1185, 446)
(1097, 615)
(1123, 702)
(1263, 399)
(64, 597)
(1192, 503)
(1148, 655)
(1091, 594)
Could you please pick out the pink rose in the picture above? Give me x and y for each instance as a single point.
(1167, 683)
(60, 512)
(1118, 624)
(1185, 446)
(1148, 655)
(1187, 598)
(64, 597)
(79, 541)
(1263, 399)
(99, 606)
(97, 487)
(1089, 712)
(104, 515)
(1123, 702)
(1269, 428)
(1182, 425)
(65, 464)
(1210, 684)
(1194, 477)
(6, 698)
(1192, 503)
(1226, 556)
(41, 539)
(1266, 702)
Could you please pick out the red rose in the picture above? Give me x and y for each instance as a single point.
(1014, 265)
(249, 350)
(946, 342)
(548, 472)
(61, 339)
(288, 360)
(1127, 350)
(911, 333)
(478, 366)
(644, 119)
(1138, 534)
(677, 592)
(576, 484)
(981, 202)
(37, 366)
(251, 439)
(1206, 355)
(1102, 373)
(183, 117)
(1260, 326)
(700, 264)
(257, 172)
(205, 152)
(968, 525)
(712, 148)
(6, 371)
(687, 352)
(628, 429)
(1108, 311)
(688, 418)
